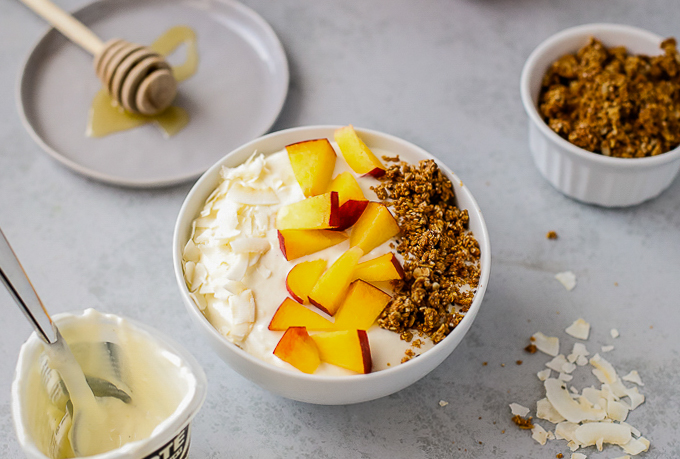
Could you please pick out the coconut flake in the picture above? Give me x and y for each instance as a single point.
(568, 367)
(607, 348)
(557, 363)
(636, 398)
(636, 446)
(252, 196)
(597, 433)
(617, 410)
(579, 329)
(443, 403)
(543, 374)
(567, 279)
(578, 456)
(547, 344)
(519, 410)
(633, 377)
(565, 431)
(545, 410)
(565, 377)
(539, 434)
(570, 409)
(614, 333)
(582, 360)
(250, 245)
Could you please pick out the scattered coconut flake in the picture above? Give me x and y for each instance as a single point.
(250, 245)
(578, 456)
(519, 410)
(597, 433)
(568, 367)
(252, 196)
(636, 398)
(607, 348)
(543, 374)
(573, 390)
(557, 363)
(623, 457)
(582, 360)
(636, 446)
(565, 431)
(567, 279)
(592, 394)
(565, 377)
(617, 410)
(547, 344)
(614, 333)
(570, 409)
(539, 434)
(633, 377)
(443, 403)
(579, 329)
(604, 371)
(545, 410)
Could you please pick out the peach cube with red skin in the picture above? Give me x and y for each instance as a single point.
(347, 187)
(313, 162)
(298, 243)
(361, 307)
(299, 349)
(293, 314)
(383, 268)
(359, 157)
(375, 226)
(317, 212)
(330, 289)
(302, 278)
(348, 349)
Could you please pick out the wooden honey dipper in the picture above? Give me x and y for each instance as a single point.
(135, 76)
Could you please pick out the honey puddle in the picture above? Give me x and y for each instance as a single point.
(107, 117)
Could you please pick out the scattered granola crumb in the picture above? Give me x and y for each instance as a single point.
(443, 403)
(441, 256)
(531, 349)
(503, 431)
(559, 455)
(502, 364)
(417, 343)
(519, 362)
(408, 355)
(485, 363)
(523, 423)
(551, 235)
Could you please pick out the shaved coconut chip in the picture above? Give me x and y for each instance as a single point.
(250, 245)
(614, 333)
(578, 456)
(632, 429)
(545, 410)
(566, 431)
(636, 446)
(607, 373)
(199, 301)
(607, 348)
(191, 252)
(573, 390)
(567, 279)
(252, 196)
(539, 434)
(568, 367)
(592, 394)
(579, 329)
(597, 433)
(633, 377)
(618, 411)
(636, 398)
(557, 363)
(623, 457)
(543, 374)
(264, 271)
(519, 410)
(547, 344)
(565, 377)
(442, 403)
(238, 270)
(582, 360)
(572, 411)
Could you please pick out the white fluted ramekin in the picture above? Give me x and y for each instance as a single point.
(580, 174)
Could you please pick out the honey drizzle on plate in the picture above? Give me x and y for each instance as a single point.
(107, 117)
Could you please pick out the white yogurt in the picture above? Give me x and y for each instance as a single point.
(236, 272)
(166, 389)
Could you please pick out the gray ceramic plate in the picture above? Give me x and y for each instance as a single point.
(235, 96)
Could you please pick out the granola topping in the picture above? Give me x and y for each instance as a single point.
(610, 102)
(441, 256)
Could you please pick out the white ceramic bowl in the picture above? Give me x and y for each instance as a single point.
(327, 390)
(578, 173)
(171, 437)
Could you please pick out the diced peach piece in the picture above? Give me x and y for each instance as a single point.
(347, 187)
(313, 162)
(359, 157)
(302, 277)
(292, 314)
(383, 268)
(329, 291)
(349, 213)
(362, 306)
(317, 212)
(299, 349)
(298, 243)
(348, 349)
(375, 226)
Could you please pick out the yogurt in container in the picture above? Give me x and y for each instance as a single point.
(159, 388)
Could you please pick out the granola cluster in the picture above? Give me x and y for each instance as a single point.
(613, 103)
(441, 257)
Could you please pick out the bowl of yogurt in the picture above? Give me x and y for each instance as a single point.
(148, 388)
(234, 277)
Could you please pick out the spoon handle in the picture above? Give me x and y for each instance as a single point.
(14, 278)
(75, 30)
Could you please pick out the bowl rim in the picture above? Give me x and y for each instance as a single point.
(530, 68)
(184, 220)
